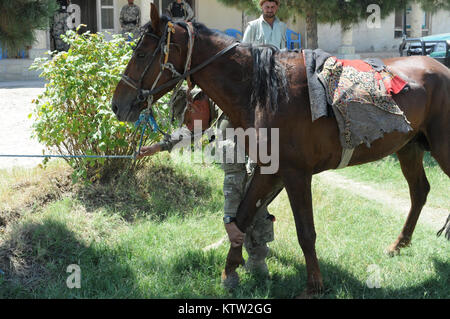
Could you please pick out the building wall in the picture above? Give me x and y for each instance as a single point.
(376, 39)
(365, 39)
(440, 22)
(217, 16)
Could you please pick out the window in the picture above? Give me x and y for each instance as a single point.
(399, 28)
(426, 24)
(402, 23)
(106, 15)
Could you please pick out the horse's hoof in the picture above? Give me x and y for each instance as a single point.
(393, 251)
(230, 281)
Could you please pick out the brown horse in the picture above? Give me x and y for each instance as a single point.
(225, 72)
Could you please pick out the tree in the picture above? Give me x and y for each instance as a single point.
(73, 115)
(345, 12)
(20, 18)
(434, 5)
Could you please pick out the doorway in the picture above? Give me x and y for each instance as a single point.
(162, 5)
(88, 12)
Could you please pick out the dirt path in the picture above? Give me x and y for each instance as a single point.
(15, 128)
(434, 217)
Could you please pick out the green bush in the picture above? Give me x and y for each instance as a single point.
(73, 115)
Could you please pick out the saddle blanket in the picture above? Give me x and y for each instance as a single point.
(360, 94)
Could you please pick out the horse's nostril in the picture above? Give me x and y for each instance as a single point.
(115, 108)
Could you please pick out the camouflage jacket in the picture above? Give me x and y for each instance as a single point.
(130, 16)
(188, 13)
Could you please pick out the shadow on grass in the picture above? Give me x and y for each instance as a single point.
(340, 283)
(35, 257)
(155, 192)
(195, 269)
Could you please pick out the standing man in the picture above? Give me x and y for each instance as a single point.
(130, 19)
(180, 10)
(60, 26)
(267, 29)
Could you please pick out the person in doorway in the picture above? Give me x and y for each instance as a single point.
(130, 19)
(180, 10)
(60, 26)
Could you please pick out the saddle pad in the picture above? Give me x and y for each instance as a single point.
(392, 83)
(361, 100)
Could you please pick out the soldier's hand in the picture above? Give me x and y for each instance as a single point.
(235, 236)
(149, 150)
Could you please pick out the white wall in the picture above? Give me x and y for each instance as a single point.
(365, 39)
(217, 16)
(440, 22)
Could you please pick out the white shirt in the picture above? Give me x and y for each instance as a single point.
(259, 31)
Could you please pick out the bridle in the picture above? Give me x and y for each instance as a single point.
(163, 47)
(177, 78)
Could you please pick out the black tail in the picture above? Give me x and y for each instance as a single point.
(446, 228)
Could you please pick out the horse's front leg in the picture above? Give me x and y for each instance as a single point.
(298, 188)
(262, 189)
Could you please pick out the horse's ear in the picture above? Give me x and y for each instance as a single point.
(154, 16)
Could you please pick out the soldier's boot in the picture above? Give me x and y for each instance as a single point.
(231, 281)
(256, 263)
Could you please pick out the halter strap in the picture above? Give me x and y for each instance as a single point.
(190, 72)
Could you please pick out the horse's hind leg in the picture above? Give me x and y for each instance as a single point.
(411, 162)
(438, 135)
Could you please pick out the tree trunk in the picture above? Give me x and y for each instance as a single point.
(311, 30)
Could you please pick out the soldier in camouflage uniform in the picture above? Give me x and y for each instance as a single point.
(130, 19)
(60, 26)
(180, 10)
(236, 180)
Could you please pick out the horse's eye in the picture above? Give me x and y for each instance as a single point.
(140, 55)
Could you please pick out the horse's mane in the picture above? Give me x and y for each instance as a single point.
(269, 78)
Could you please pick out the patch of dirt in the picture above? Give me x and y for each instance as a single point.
(432, 216)
(36, 195)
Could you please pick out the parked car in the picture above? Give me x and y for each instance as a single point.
(436, 46)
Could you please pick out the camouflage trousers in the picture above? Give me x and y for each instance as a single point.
(60, 45)
(131, 28)
(237, 178)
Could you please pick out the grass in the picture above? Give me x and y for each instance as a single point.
(143, 237)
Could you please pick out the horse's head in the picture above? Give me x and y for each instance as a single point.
(162, 43)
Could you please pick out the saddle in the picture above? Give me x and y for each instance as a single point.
(359, 93)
